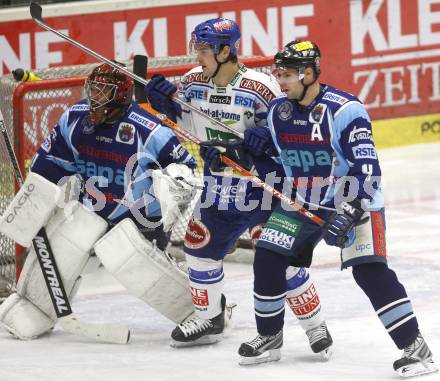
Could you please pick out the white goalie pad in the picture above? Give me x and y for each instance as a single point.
(71, 234)
(174, 187)
(30, 209)
(144, 270)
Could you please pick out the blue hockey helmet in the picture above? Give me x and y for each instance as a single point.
(216, 33)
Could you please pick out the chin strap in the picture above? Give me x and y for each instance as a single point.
(305, 88)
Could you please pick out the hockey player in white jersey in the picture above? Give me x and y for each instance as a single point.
(123, 157)
(237, 96)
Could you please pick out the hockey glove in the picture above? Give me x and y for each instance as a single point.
(159, 92)
(340, 225)
(257, 140)
(210, 152)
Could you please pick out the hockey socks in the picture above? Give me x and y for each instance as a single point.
(269, 290)
(389, 300)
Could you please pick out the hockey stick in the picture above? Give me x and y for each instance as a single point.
(68, 321)
(37, 15)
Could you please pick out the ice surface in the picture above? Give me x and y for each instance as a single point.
(362, 349)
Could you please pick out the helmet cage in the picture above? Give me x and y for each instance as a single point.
(100, 94)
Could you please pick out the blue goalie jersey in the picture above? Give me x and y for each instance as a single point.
(327, 148)
(113, 161)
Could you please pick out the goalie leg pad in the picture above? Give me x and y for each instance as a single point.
(23, 319)
(71, 236)
(143, 270)
(30, 209)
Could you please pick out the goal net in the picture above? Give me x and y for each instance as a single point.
(31, 109)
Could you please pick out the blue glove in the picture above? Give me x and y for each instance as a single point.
(257, 140)
(159, 92)
(340, 225)
(210, 152)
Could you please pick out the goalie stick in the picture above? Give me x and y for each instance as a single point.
(68, 321)
(36, 13)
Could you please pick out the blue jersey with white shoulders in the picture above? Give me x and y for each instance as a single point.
(113, 160)
(327, 148)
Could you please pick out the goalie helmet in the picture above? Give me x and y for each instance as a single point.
(299, 54)
(216, 33)
(109, 93)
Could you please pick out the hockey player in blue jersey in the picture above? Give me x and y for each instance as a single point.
(323, 139)
(224, 88)
(123, 158)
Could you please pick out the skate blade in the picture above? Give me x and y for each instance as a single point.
(204, 340)
(417, 369)
(267, 356)
(326, 354)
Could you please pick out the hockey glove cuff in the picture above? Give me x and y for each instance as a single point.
(340, 224)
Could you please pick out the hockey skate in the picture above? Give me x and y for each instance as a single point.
(416, 360)
(198, 331)
(261, 349)
(320, 340)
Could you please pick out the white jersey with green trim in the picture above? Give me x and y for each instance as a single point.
(242, 104)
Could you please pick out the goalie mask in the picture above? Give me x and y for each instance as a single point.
(109, 92)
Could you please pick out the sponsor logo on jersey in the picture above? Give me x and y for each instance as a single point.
(378, 229)
(79, 107)
(199, 297)
(364, 151)
(125, 133)
(317, 114)
(305, 303)
(305, 159)
(87, 127)
(222, 115)
(259, 88)
(143, 121)
(241, 100)
(285, 111)
(195, 77)
(277, 238)
(301, 139)
(222, 99)
(332, 97)
(104, 139)
(177, 152)
(197, 234)
(361, 247)
(361, 133)
(200, 94)
(300, 122)
(284, 223)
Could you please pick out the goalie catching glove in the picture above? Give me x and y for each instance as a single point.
(175, 186)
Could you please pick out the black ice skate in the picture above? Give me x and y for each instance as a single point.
(261, 349)
(197, 331)
(320, 340)
(416, 360)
